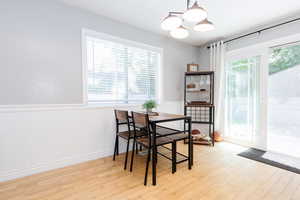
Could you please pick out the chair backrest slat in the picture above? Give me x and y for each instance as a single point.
(121, 115)
(122, 119)
(140, 119)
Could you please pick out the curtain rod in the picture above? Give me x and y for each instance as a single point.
(261, 30)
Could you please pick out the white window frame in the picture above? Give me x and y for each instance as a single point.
(91, 33)
(262, 49)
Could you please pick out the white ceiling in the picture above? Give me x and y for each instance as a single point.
(229, 16)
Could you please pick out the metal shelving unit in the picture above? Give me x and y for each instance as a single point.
(199, 103)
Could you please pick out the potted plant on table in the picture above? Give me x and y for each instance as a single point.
(149, 105)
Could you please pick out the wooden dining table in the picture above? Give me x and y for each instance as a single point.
(158, 118)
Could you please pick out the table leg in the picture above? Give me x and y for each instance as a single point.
(213, 125)
(154, 155)
(184, 129)
(174, 160)
(190, 145)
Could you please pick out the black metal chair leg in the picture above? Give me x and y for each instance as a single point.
(136, 148)
(154, 162)
(147, 167)
(115, 150)
(117, 145)
(192, 154)
(132, 155)
(126, 156)
(174, 151)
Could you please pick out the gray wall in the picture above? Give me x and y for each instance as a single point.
(204, 58)
(40, 52)
(279, 32)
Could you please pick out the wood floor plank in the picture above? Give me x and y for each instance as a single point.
(218, 174)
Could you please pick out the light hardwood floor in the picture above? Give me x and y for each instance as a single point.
(218, 173)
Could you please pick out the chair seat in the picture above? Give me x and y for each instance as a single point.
(177, 137)
(125, 134)
(159, 141)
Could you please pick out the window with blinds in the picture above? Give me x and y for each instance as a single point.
(121, 73)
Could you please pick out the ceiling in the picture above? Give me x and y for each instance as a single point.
(229, 16)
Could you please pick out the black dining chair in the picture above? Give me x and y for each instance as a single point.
(176, 136)
(141, 120)
(122, 119)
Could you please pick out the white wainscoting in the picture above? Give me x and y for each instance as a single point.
(33, 141)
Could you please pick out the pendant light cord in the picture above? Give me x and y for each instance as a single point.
(180, 13)
(187, 4)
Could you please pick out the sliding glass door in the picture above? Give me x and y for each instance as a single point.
(242, 96)
(262, 101)
(284, 100)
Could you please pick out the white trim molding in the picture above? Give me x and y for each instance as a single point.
(39, 108)
(13, 174)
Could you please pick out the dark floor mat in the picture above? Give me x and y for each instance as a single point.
(274, 159)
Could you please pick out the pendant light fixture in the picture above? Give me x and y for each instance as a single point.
(204, 26)
(171, 22)
(175, 20)
(195, 13)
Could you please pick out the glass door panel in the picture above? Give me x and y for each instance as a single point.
(242, 99)
(284, 100)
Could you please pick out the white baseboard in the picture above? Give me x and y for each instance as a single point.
(19, 173)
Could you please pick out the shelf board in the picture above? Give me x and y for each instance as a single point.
(199, 105)
(196, 91)
(199, 73)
